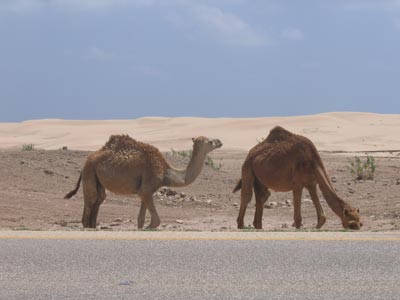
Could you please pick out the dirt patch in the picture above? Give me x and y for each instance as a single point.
(33, 183)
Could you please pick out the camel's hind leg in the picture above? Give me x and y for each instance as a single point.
(101, 195)
(147, 199)
(90, 195)
(245, 196)
(261, 194)
(320, 212)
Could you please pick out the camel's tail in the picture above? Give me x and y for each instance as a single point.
(238, 186)
(73, 192)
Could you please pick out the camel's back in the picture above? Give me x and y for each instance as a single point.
(282, 145)
(124, 150)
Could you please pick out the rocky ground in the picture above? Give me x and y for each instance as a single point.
(33, 183)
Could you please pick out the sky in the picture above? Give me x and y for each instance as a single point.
(124, 59)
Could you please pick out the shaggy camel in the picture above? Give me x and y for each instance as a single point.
(126, 166)
(288, 162)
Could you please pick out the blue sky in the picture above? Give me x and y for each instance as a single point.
(121, 59)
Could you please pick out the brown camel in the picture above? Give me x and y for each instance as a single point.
(288, 162)
(125, 166)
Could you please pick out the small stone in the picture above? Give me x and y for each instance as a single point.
(235, 204)
(126, 282)
(61, 223)
(285, 225)
(64, 148)
(182, 195)
(351, 191)
(170, 192)
(179, 221)
(307, 201)
(271, 205)
(118, 220)
(398, 181)
(193, 198)
(48, 172)
(288, 202)
(333, 179)
(209, 201)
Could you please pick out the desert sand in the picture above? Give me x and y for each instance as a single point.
(344, 131)
(33, 183)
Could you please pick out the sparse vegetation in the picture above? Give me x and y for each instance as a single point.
(183, 153)
(188, 154)
(259, 141)
(210, 162)
(363, 170)
(28, 147)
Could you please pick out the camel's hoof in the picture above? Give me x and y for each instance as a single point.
(297, 226)
(257, 226)
(321, 222)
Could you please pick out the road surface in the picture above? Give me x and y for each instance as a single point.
(198, 265)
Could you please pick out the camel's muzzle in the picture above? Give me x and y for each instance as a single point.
(217, 143)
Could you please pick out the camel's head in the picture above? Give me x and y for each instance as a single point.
(351, 219)
(206, 144)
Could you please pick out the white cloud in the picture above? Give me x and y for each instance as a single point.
(293, 34)
(95, 53)
(231, 27)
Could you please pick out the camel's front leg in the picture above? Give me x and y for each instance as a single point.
(297, 207)
(320, 212)
(147, 199)
(142, 215)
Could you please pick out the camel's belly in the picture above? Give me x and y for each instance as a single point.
(278, 180)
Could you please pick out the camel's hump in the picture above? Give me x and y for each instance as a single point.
(121, 142)
(279, 133)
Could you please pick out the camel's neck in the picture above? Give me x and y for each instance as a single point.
(176, 177)
(334, 201)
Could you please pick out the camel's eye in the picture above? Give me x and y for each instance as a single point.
(210, 142)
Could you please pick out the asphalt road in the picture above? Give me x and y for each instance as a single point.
(191, 266)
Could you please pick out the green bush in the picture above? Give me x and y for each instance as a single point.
(28, 147)
(363, 170)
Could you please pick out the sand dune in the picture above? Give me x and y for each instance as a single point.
(344, 131)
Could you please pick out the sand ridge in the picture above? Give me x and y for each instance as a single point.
(337, 131)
